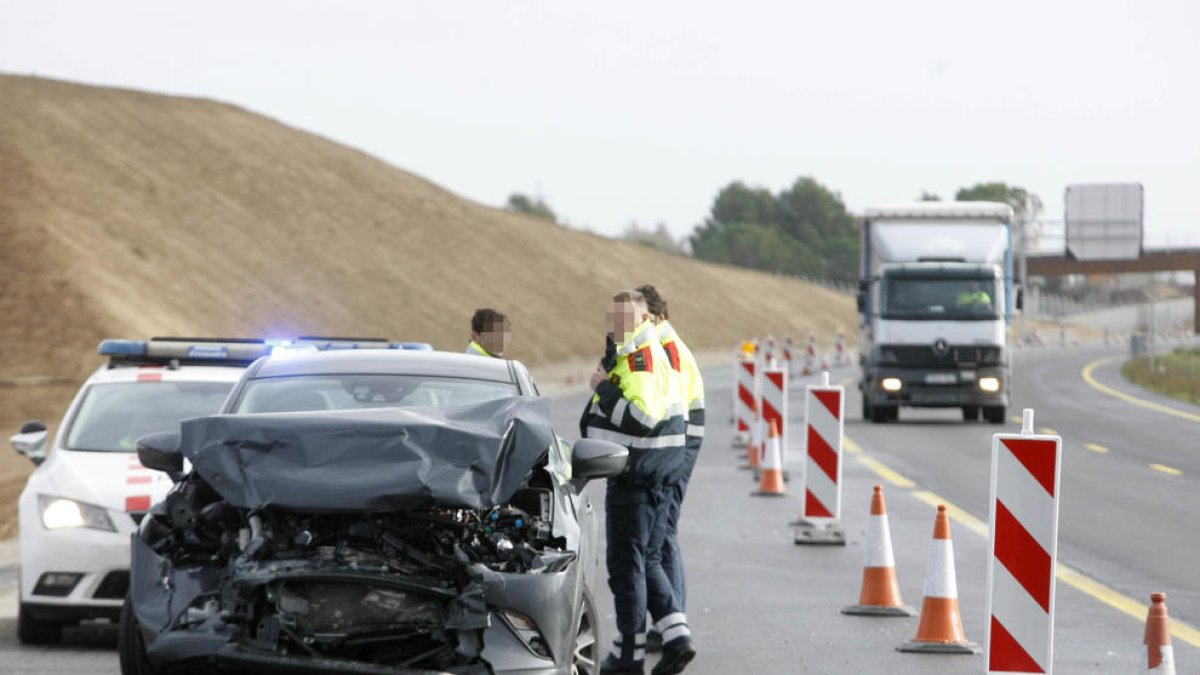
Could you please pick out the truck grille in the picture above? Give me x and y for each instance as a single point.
(956, 356)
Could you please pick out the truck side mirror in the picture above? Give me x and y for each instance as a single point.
(31, 441)
(861, 301)
(593, 458)
(160, 451)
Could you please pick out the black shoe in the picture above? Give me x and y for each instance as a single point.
(676, 655)
(653, 642)
(613, 666)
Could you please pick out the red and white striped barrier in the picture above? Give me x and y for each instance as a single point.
(824, 424)
(1023, 543)
(789, 354)
(840, 357)
(810, 355)
(746, 402)
(775, 405)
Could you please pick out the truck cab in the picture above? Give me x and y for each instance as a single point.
(936, 298)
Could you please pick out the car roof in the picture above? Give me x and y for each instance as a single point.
(379, 361)
(106, 375)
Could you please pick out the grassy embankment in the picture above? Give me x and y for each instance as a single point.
(1176, 374)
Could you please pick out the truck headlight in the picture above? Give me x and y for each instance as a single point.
(989, 384)
(892, 384)
(60, 513)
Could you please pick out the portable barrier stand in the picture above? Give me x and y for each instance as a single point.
(746, 400)
(1023, 543)
(775, 405)
(824, 423)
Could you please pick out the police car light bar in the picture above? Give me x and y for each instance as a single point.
(233, 351)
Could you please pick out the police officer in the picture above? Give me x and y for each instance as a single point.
(690, 390)
(490, 333)
(635, 405)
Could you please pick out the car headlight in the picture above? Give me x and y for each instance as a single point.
(891, 384)
(60, 513)
(989, 384)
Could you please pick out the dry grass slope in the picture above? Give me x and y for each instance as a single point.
(132, 214)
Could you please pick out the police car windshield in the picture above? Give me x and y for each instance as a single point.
(113, 416)
(307, 393)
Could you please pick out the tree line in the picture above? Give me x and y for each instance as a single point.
(804, 229)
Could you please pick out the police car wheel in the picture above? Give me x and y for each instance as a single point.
(130, 647)
(34, 631)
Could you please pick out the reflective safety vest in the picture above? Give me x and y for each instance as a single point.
(690, 382)
(980, 298)
(477, 349)
(638, 406)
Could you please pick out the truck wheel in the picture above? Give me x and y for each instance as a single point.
(994, 413)
(970, 413)
(866, 410)
(34, 631)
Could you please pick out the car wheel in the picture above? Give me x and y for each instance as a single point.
(34, 631)
(130, 647)
(585, 658)
(994, 413)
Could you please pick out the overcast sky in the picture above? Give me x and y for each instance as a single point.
(640, 111)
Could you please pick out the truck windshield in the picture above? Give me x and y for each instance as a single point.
(113, 416)
(932, 298)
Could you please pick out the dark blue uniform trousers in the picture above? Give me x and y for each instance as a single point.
(636, 520)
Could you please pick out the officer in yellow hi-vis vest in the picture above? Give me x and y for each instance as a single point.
(490, 333)
(691, 392)
(636, 405)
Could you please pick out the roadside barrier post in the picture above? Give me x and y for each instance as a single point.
(775, 406)
(1023, 547)
(824, 424)
(745, 402)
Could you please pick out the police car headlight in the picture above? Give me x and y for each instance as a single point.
(989, 384)
(59, 513)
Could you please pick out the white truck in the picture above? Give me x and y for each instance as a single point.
(936, 297)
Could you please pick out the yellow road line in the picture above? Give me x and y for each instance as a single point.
(1015, 420)
(851, 447)
(1100, 449)
(1150, 405)
(1169, 470)
(1066, 574)
(1049, 432)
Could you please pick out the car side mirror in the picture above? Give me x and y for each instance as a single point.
(592, 458)
(160, 451)
(31, 441)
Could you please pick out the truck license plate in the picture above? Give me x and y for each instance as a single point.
(941, 378)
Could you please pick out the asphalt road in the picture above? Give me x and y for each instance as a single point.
(760, 604)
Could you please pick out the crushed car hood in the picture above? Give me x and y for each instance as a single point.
(384, 459)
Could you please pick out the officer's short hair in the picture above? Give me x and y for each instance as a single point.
(638, 300)
(487, 320)
(654, 302)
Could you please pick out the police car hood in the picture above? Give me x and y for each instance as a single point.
(113, 480)
(384, 459)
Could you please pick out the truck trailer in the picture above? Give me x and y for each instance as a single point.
(936, 297)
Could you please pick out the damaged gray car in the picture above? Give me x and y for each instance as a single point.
(369, 512)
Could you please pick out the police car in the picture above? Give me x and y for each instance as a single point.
(86, 498)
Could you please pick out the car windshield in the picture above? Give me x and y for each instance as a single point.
(304, 393)
(113, 416)
(918, 298)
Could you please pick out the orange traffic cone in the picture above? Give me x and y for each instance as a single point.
(880, 595)
(1158, 636)
(771, 484)
(941, 628)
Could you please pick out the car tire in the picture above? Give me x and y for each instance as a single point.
(970, 413)
(131, 649)
(585, 654)
(994, 413)
(34, 631)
